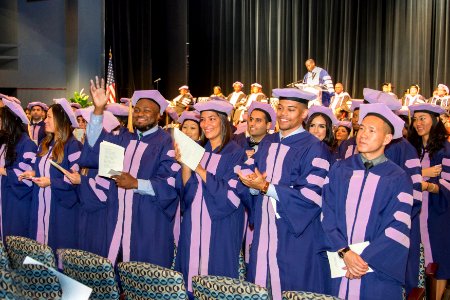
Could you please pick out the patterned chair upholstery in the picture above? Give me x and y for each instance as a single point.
(146, 281)
(19, 247)
(298, 295)
(4, 261)
(36, 282)
(219, 287)
(8, 290)
(91, 270)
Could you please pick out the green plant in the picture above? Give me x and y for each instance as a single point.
(81, 98)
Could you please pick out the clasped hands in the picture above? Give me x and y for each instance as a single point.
(356, 267)
(256, 180)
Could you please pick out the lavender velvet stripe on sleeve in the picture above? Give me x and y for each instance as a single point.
(397, 236)
(445, 176)
(24, 167)
(74, 156)
(234, 199)
(29, 155)
(316, 180)
(403, 217)
(412, 163)
(417, 178)
(405, 198)
(311, 195)
(446, 162)
(321, 163)
(99, 193)
(104, 183)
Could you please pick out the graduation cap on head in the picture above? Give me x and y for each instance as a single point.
(294, 94)
(239, 84)
(355, 104)
(257, 85)
(16, 109)
(109, 123)
(383, 112)
(183, 87)
(346, 124)
(375, 96)
(427, 107)
(75, 105)
(323, 110)
(37, 103)
(266, 108)
(444, 87)
(117, 109)
(189, 115)
(219, 106)
(153, 95)
(68, 110)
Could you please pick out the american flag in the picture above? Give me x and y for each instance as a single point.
(110, 82)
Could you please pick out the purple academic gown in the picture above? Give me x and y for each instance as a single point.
(435, 214)
(142, 225)
(373, 206)
(37, 131)
(16, 195)
(93, 191)
(285, 246)
(404, 155)
(213, 221)
(347, 148)
(55, 209)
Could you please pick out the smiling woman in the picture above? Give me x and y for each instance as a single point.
(213, 219)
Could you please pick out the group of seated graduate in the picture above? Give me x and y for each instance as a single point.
(272, 190)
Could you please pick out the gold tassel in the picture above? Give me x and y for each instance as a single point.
(130, 116)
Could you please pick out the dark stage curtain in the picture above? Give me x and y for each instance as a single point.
(360, 43)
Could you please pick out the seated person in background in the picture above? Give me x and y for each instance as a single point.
(262, 118)
(255, 95)
(236, 98)
(441, 97)
(183, 100)
(342, 132)
(217, 91)
(413, 96)
(387, 87)
(340, 102)
(368, 198)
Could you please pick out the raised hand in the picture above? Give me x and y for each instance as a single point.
(99, 95)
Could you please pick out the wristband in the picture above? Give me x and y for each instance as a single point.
(265, 188)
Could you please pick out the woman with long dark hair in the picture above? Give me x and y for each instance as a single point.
(17, 154)
(320, 124)
(213, 220)
(55, 205)
(428, 135)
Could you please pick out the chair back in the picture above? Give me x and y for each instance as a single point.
(20, 247)
(218, 287)
(8, 290)
(91, 270)
(36, 282)
(147, 281)
(4, 261)
(299, 295)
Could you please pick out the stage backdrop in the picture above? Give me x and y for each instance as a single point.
(215, 42)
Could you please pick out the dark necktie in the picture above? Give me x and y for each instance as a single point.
(368, 165)
(252, 143)
(140, 134)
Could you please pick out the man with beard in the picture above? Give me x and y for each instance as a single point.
(143, 200)
(37, 126)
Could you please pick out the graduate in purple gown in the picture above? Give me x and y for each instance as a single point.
(17, 151)
(320, 123)
(213, 221)
(348, 147)
(368, 198)
(261, 120)
(143, 201)
(289, 170)
(428, 135)
(37, 125)
(55, 204)
(93, 190)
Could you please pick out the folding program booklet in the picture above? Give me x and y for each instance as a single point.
(111, 159)
(191, 152)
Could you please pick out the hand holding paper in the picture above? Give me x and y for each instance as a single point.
(111, 159)
(337, 265)
(190, 152)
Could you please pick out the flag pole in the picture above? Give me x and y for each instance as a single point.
(130, 116)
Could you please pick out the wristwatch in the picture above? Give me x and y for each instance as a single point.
(342, 252)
